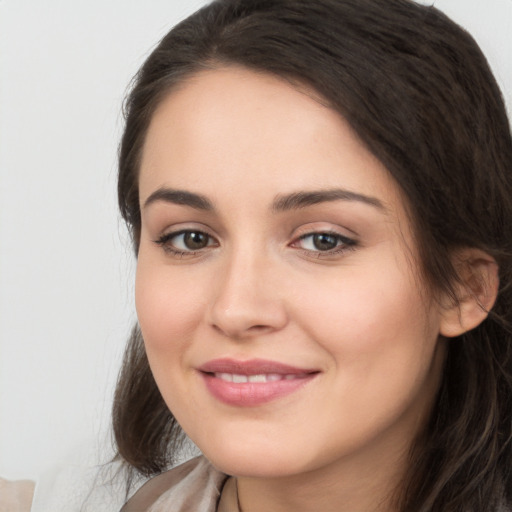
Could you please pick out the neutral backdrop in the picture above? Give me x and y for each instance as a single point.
(66, 266)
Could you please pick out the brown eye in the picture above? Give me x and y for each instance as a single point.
(324, 241)
(195, 240)
(186, 241)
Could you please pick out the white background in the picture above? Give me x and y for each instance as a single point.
(66, 267)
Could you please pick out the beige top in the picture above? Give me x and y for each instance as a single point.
(16, 496)
(195, 485)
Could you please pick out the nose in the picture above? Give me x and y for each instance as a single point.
(248, 300)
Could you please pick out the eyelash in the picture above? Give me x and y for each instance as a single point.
(343, 243)
(165, 239)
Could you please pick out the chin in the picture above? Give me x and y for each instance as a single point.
(260, 467)
(256, 460)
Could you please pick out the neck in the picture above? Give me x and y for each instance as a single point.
(348, 486)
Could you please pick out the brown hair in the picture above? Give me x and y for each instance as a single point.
(419, 93)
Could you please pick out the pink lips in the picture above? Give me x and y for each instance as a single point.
(253, 382)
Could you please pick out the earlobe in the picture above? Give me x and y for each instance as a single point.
(476, 292)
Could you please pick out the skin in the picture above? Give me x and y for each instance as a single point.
(261, 288)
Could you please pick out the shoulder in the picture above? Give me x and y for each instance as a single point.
(194, 485)
(16, 496)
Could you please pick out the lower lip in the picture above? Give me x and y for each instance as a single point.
(249, 394)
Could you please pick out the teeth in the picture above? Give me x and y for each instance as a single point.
(257, 378)
(263, 377)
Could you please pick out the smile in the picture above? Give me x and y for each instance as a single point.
(252, 383)
(262, 377)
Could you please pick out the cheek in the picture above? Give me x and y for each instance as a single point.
(381, 340)
(366, 311)
(169, 306)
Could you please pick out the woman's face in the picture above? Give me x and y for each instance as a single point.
(277, 287)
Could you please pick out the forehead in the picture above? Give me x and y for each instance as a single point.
(233, 128)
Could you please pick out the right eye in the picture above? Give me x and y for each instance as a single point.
(187, 241)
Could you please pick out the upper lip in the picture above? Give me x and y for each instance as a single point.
(252, 367)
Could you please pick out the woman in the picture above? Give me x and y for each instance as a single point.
(319, 195)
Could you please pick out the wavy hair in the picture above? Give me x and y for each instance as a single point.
(419, 93)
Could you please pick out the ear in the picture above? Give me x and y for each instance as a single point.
(476, 292)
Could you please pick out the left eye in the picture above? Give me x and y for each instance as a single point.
(323, 242)
(186, 241)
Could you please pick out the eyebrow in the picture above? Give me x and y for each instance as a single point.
(182, 197)
(299, 200)
(281, 203)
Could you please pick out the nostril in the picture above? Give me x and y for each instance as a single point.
(259, 329)
(234, 332)
(239, 316)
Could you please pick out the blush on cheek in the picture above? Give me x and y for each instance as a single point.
(353, 318)
(363, 315)
(165, 315)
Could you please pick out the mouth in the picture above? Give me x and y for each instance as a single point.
(261, 377)
(254, 382)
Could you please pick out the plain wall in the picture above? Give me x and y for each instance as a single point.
(66, 266)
